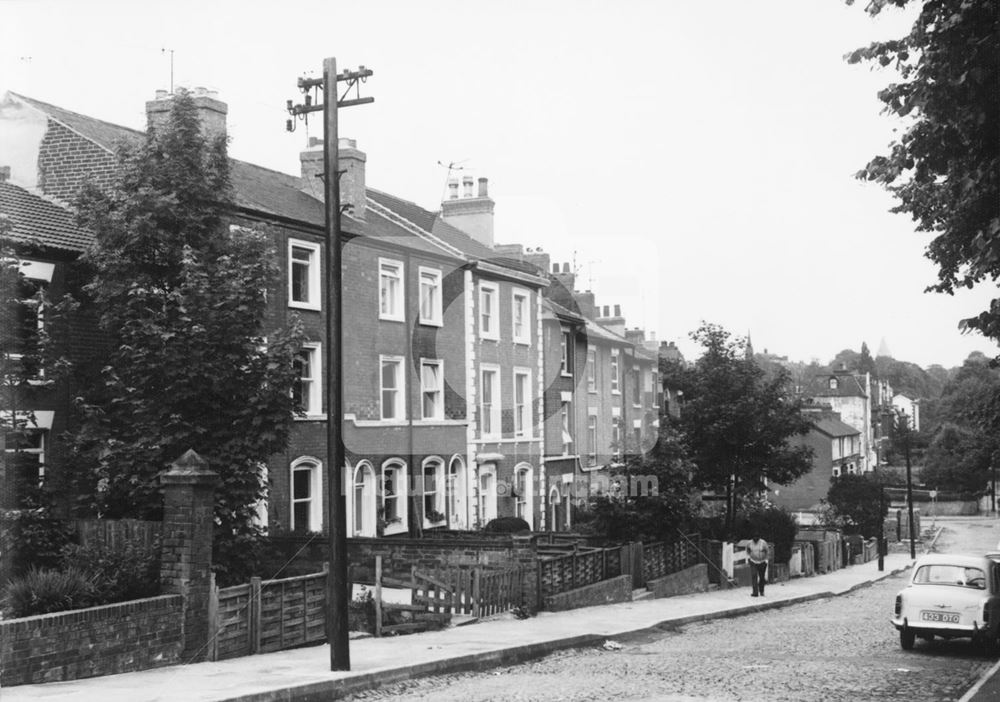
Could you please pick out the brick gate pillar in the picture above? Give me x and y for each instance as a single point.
(186, 555)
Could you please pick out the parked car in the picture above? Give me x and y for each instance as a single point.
(951, 596)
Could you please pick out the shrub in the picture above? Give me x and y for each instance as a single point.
(506, 525)
(40, 591)
(128, 572)
(361, 612)
(39, 538)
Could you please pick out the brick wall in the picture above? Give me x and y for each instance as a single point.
(116, 638)
(67, 161)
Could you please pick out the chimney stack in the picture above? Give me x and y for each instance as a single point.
(585, 303)
(352, 181)
(471, 213)
(211, 111)
(565, 278)
(312, 165)
(615, 322)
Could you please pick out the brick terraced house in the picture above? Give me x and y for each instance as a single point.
(443, 343)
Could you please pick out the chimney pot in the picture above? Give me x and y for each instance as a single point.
(453, 189)
(467, 186)
(4, 174)
(565, 268)
(607, 311)
(162, 94)
(555, 267)
(482, 187)
(618, 310)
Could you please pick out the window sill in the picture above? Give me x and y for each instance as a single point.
(431, 323)
(566, 374)
(386, 318)
(483, 337)
(439, 422)
(523, 342)
(391, 529)
(304, 306)
(311, 418)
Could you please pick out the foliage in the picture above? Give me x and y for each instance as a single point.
(236, 559)
(43, 590)
(39, 537)
(182, 296)
(855, 501)
(629, 511)
(361, 612)
(945, 168)
(506, 525)
(959, 459)
(118, 574)
(736, 422)
(773, 524)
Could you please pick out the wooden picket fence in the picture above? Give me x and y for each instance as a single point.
(118, 533)
(267, 615)
(478, 592)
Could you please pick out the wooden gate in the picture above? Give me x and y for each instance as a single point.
(632, 564)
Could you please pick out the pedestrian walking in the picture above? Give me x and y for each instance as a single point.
(758, 552)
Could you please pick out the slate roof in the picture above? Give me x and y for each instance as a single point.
(433, 223)
(255, 187)
(34, 218)
(271, 192)
(847, 386)
(833, 427)
(553, 310)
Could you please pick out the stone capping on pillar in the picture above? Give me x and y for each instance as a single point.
(189, 469)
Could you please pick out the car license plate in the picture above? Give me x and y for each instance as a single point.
(943, 617)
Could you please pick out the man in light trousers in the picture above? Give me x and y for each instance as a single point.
(758, 552)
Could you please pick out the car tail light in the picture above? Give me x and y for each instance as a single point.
(899, 604)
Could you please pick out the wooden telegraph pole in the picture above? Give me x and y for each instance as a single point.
(338, 588)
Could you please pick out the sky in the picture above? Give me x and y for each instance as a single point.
(691, 160)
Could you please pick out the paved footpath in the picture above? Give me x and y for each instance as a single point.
(303, 674)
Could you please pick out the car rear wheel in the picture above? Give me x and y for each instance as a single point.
(906, 638)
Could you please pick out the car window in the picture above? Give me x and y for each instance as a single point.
(950, 575)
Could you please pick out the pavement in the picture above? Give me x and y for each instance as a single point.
(304, 673)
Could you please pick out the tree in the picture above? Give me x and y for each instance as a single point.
(866, 364)
(945, 168)
(857, 503)
(958, 459)
(182, 296)
(630, 510)
(736, 422)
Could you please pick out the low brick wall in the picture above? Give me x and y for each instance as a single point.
(685, 582)
(605, 592)
(116, 638)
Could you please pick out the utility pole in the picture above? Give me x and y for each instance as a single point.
(338, 588)
(909, 484)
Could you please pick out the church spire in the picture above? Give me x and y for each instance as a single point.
(748, 354)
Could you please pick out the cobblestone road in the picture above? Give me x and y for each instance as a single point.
(836, 649)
